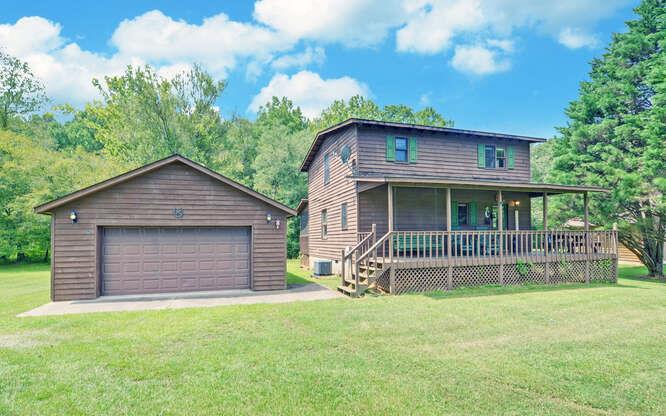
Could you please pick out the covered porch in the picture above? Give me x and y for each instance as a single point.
(425, 234)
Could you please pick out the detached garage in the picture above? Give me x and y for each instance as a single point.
(170, 226)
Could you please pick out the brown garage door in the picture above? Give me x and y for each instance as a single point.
(139, 260)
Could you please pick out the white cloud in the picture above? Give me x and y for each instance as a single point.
(308, 91)
(310, 55)
(65, 68)
(478, 60)
(505, 45)
(432, 25)
(576, 38)
(354, 23)
(30, 35)
(151, 38)
(217, 42)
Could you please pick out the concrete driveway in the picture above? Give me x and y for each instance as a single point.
(295, 293)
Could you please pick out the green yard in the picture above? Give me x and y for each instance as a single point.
(564, 350)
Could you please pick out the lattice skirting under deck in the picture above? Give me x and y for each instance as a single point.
(436, 278)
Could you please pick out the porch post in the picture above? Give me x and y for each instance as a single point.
(586, 227)
(390, 207)
(546, 247)
(449, 276)
(390, 229)
(500, 228)
(545, 211)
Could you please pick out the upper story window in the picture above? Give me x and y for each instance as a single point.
(495, 157)
(343, 216)
(327, 169)
(324, 224)
(401, 149)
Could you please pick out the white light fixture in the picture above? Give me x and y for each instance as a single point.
(269, 218)
(74, 216)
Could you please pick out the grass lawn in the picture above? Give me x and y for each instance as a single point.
(597, 349)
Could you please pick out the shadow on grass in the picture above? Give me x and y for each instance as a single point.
(495, 290)
(24, 267)
(638, 274)
(294, 279)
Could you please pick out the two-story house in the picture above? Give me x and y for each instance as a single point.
(404, 207)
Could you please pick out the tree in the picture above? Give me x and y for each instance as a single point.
(281, 112)
(31, 174)
(144, 117)
(615, 135)
(20, 92)
(361, 107)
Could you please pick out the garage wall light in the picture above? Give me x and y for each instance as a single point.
(269, 218)
(74, 216)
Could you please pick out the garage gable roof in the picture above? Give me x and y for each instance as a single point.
(49, 206)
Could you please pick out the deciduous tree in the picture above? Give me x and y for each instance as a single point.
(20, 91)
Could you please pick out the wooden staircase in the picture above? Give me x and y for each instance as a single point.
(367, 274)
(361, 265)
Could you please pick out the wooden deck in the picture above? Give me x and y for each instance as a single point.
(409, 261)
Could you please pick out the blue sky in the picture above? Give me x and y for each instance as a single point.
(500, 65)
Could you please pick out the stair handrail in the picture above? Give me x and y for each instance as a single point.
(374, 246)
(348, 254)
(372, 251)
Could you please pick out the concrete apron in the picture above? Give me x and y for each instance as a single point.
(126, 303)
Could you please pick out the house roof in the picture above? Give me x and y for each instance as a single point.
(529, 187)
(49, 206)
(302, 205)
(321, 135)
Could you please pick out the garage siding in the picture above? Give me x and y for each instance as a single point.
(149, 200)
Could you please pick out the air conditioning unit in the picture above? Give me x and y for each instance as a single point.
(322, 268)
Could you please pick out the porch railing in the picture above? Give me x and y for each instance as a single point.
(488, 244)
(440, 248)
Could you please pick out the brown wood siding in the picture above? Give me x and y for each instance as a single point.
(373, 209)
(416, 208)
(340, 189)
(439, 154)
(148, 200)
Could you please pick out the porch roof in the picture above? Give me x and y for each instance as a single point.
(533, 188)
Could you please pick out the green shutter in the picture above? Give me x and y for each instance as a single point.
(481, 155)
(472, 214)
(390, 148)
(454, 213)
(413, 150)
(509, 155)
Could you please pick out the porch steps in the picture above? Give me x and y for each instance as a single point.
(351, 290)
(349, 286)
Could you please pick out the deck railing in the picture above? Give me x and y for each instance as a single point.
(488, 244)
(433, 249)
